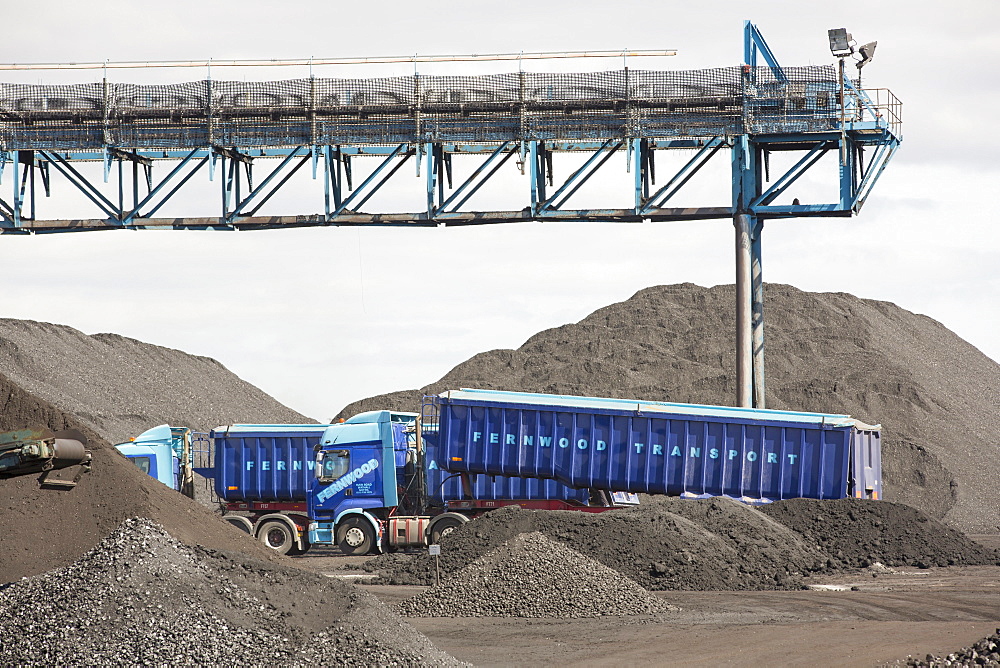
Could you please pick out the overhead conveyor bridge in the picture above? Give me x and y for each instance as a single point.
(233, 129)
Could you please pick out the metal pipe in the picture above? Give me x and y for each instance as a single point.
(744, 335)
(539, 55)
(757, 315)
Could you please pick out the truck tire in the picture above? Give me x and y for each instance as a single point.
(355, 536)
(278, 536)
(443, 527)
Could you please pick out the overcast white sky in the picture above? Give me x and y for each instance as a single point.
(321, 317)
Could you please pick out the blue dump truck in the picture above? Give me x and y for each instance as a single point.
(388, 480)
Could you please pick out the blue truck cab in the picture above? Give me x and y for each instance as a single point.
(158, 452)
(359, 467)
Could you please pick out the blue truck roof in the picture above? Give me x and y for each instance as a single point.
(269, 428)
(528, 399)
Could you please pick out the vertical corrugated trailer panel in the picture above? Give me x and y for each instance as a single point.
(866, 465)
(657, 448)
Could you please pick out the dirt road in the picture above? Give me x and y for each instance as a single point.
(889, 616)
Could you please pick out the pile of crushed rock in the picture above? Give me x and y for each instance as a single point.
(712, 544)
(657, 548)
(533, 576)
(119, 387)
(858, 533)
(986, 652)
(143, 598)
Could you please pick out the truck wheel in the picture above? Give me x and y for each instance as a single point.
(443, 527)
(355, 536)
(277, 536)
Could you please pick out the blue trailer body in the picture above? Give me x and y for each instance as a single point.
(268, 463)
(659, 447)
(444, 485)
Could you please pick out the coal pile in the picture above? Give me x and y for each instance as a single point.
(937, 397)
(724, 545)
(986, 653)
(143, 598)
(81, 517)
(119, 387)
(533, 576)
(113, 491)
(714, 544)
(860, 532)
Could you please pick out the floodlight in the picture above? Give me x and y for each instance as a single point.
(840, 42)
(867, 52)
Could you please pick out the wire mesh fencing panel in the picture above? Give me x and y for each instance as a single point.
(499, 107)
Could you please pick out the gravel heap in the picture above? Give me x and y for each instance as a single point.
(120, 387)
(724, 545)
(986, 653)
(937, 397)
(533, 576)
(858, 533)
(713, 544)
(142, 598)
(81, 517)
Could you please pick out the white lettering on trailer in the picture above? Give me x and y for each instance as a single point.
(277, 465)
(656, 449)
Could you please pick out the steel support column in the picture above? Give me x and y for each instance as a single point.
(747, 178)
(757, 313)
(744, 334)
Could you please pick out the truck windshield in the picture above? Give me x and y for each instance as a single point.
(333, 464)
(142, 463)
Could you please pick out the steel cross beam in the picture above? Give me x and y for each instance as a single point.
(753, 43)
(576, 179)
(448, 193)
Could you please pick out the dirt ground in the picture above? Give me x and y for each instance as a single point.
(910, 612)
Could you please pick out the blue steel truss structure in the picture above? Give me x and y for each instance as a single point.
(230, 129)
